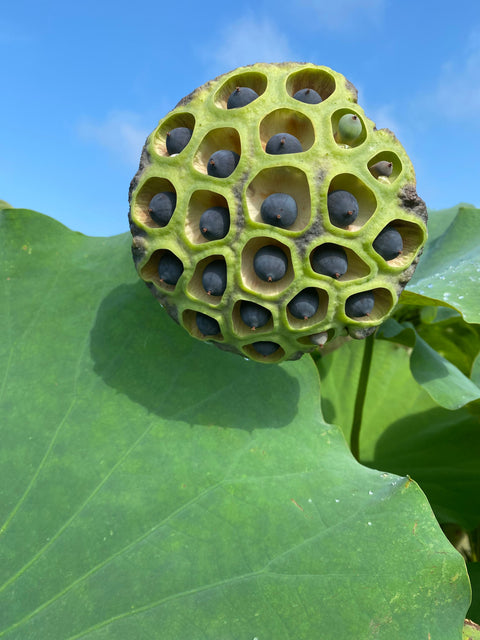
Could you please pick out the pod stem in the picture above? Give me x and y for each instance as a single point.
(360, 397)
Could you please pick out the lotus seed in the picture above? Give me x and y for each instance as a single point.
(222, 163)
(349, 128)
(270, 263)
(214, 278)
(360, 304)
(381, 169)
(388, 243)
(215, 223)
(254, 315)
(206, 325)
(240, 97)
(177, 139)
(305, 304)
(310, 96)
(170, 268)
(282, 143)
(342, 208)
(279, 210)
(162, 206)
(329, 260)
(265, 347)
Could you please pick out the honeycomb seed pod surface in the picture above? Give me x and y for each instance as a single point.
(322, 163)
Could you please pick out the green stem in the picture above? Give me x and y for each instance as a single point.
(360, 397)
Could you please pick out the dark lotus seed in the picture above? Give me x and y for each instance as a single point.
(283, 143)
(170, 268)
(329, 260)
(265, 347)
(342, 208)
(279, 210)
(214, 278)
(177, 139)
(388, 243)
(222, 163)
(215, 223)
(382, 168)
(360, 304)
(253, 315)
(240, 97)
(162, 206)
(206, 325)
(270, 263)
(310, 96)
(305, 304)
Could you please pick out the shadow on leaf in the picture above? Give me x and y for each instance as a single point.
(139, 351)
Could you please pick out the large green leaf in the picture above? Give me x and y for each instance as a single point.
(449, 270)
(441, 379)
(404, 431)
(155, 487)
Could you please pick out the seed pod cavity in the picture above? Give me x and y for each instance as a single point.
(254, 315)
(270, 263)
(214, 278)
(162, 206)
(207, 325)
(360, 304)
(309, 96)
(170, 268)
(342, 208)
(279, 210)
(240, 97)
(215, 223)
(222, 163)
(177, 139)
(282, 143)
(329, 260)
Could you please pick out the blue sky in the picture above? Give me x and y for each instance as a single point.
(84, 83)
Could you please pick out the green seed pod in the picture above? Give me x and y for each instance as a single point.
(334, 155)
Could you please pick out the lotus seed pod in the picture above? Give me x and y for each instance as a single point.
(276, 291)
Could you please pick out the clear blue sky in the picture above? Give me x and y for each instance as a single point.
(83, 83)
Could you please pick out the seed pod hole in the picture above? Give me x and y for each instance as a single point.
(389, 243)
(317, 340)
(369, 305)
(218, 153)
(290, 181)
(254, 81)
(385, 166)
(321, 262)
(164, 269)
(264, 351)
(202, 325)
(209, 280)
(307, 308)
(363, 195)
(291, 126)
(319, 80)
(158, 213)
(329, 260)
(199, 203)
(348, 128)
(179, 123)
(250, 318)
(412, 238)
(262, 258)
